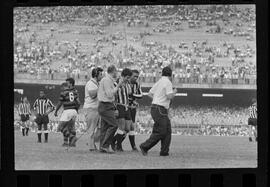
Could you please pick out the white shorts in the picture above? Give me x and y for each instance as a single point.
(68, 114)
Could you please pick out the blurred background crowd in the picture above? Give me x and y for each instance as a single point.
(185, 120)
(203, 44)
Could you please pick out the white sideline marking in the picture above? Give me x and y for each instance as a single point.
(212, 95)
(177, 94)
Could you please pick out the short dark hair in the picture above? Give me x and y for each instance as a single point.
(71, 80)
(167, 71)
(111, 69)
(64, 84)
(126, 72)
(135, 71)
(96, 72)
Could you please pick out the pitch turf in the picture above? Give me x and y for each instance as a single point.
(185, 152)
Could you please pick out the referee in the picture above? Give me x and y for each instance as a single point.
(41, 106)
(252, 120)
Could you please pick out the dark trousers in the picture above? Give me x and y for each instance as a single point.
(108, 123)
(161, 130)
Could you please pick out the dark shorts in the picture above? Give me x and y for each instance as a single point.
(123, 113)
(24, 118)
(252, 121)
(133, 114)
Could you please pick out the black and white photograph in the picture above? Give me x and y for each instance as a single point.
(135, 87)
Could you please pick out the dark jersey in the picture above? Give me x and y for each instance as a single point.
(69, 98)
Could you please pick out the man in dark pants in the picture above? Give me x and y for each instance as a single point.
(41, 106)
(106, 108)
(162, 92)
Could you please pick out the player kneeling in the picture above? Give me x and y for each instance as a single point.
(70, 102)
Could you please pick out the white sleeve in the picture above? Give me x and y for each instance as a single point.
(168, 88)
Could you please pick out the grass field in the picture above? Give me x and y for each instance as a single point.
(185, 152)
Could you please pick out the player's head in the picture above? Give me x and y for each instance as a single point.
(112, 71)
(64, 86)
(25, 100)
(97, 73)
(135, 76)
(41, 93)
(71, 82)
(167, 71)
(126, 74)
(254, 100)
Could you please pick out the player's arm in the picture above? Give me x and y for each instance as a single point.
(138, 94)
(52, 107)
(58, 106)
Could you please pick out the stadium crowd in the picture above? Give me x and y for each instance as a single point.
(186, 120)
(193, 61)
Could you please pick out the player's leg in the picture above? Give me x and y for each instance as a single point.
(72, 130)
(45, 127)
(39, 124)
(63, 129)
(23, 124)
(132, 129)
(23, 128)
(255, 133)
(27, 125)
(250, 131)
(120, 133)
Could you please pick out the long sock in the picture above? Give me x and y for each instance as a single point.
(23, 130)
(132, 140)
(119, 138)
(39, 137)
(27, 129)
(46, 137)
(65, 139)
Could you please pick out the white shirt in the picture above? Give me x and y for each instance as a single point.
(160, 89)
(89, 102)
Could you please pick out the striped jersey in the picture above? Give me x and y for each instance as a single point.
(42, 105)
(253, 111)
(24, 108)
(69, 99)
(136, 93)
(122, 95)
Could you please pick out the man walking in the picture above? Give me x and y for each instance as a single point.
(69, 100)
(91, 105)
(124, 117)
(162, 92)
(41, 106)
(106, 108)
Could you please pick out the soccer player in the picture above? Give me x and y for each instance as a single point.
(24, 112)
(252, 120)
(69, 100)
(136, 93)
(41, 106)
(162, 92)
(91, 105)
(124, 116)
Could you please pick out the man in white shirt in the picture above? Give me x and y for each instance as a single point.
(162, 93)
(91, 104)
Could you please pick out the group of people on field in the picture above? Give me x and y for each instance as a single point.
(110, 108)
